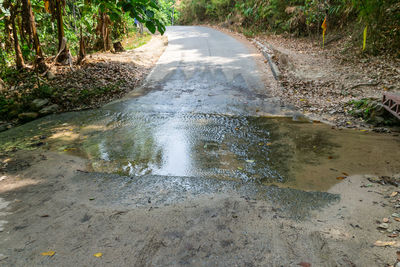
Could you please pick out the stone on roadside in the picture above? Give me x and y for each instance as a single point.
(48, 110)
(28, 116)
(383, 226)
(38, 103)
(50, 75)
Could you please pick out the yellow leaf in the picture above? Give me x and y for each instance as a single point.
(98, 255)
(268, 144)
(302, 100)
(394, 194)
(250, 160)
(365, 37)
(48, 253)
(240, 168)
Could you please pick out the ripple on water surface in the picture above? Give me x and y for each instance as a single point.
(244, 149)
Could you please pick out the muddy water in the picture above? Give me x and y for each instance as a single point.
(257, 150)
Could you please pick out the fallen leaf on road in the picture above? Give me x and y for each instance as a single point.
(268, 144)
(340, 178)
(250, 160)
(393, 235)
(387, 244)
(304, 264)
(345, 173)
(385, 220)
(240, 168)
(394, 194)
(48, 253)
(397, 219)
(98, 255)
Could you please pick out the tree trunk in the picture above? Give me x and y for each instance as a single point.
(82, 49)
(19, 60)
(40, 65)
(104, 31)
(60, 23)
(7, 33)
(32, 26)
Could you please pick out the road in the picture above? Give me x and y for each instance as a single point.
(199, 167)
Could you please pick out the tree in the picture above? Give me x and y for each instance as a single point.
(29, 19)
(13, 8)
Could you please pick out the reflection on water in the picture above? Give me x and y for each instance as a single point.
(176, 149)
(245, 149)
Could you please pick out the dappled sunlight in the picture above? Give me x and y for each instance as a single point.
(65, 136)
(14, 182)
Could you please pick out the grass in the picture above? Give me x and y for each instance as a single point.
(136, 40)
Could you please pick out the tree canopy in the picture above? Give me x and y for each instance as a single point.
(33, 29)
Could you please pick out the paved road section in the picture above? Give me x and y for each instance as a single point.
(206, 71)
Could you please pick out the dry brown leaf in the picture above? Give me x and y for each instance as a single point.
(340, 178)
(304, 264)
(393, 194)
(394, 244)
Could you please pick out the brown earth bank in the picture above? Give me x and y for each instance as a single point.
(99, 79)
(51, 203)
(337, 84)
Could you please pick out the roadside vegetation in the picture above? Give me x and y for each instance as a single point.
(304, 18)
(44, 41)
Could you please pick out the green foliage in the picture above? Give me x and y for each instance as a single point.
(80, 17)
(304, 17)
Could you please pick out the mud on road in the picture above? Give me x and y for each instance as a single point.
(55, 205)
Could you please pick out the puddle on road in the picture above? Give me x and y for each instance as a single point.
(245, 149)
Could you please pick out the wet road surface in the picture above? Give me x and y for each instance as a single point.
(205, 111)
(199, 167)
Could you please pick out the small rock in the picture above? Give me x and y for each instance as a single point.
(50, 75)
(383, 226)
(3, 257)
(48, 110)
(385, 220)
(396, 215)
(28, 116)
(38, 104)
